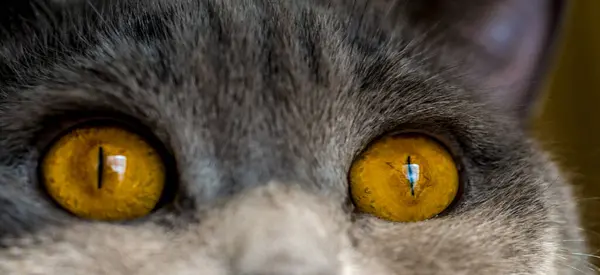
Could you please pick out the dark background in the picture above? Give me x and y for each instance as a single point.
(569, 123)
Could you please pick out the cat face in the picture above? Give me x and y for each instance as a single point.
(261, 109)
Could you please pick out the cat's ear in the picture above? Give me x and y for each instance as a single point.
(502, 46)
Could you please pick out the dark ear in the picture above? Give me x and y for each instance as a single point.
(501, 46)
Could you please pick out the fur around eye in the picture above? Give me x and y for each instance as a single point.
(404, 178)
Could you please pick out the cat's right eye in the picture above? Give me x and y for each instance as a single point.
(404, 178)
(104, 173)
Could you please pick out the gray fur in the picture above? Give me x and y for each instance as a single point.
(263, 105)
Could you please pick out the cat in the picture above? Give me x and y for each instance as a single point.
(262, 107)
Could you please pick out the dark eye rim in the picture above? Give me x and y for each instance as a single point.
(440, 138)
(171, 188)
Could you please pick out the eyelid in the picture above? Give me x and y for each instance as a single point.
(442, 136)
(57, 125)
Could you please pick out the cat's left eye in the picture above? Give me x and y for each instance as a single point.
(404, 178)
(104, 173)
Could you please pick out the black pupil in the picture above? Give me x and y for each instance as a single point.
(100, 166)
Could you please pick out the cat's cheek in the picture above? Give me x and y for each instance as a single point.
(354, 263)
(477, 243)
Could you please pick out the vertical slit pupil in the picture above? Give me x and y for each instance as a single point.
(100, 166)
(410, 176)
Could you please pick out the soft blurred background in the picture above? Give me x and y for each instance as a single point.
(569, 125)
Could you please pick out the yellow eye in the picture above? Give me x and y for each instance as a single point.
(104, 173)
(404, 178)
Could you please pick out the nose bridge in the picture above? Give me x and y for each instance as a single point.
(279, 229)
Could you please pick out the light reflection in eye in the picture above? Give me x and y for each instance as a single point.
(118, 164)
(412, 173)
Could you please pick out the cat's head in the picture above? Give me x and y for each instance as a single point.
(269, 122)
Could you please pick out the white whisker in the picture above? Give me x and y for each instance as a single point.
(585, 254)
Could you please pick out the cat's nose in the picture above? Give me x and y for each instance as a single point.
(277, 230)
